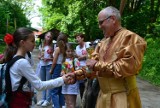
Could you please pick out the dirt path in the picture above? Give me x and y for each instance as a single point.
(150, 94)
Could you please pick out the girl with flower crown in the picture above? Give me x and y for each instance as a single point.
(22, 41)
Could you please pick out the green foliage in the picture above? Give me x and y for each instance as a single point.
(2, 44)
(12, 16)
(75, 16)
(2, 48)
(156, 28)
(151, 65)
(137, 19)
(136, 23)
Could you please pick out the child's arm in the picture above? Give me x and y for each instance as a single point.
(62, 73)
(40, 55)
(55, 58)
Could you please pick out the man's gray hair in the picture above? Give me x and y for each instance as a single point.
(112, 11)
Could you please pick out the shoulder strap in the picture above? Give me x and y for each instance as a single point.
(1, 78)
(8, 87)
(29, 54)
(22, 82)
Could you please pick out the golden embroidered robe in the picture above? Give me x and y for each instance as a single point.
(120, 59)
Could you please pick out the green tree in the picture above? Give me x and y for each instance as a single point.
(73, 16)
(12, 15)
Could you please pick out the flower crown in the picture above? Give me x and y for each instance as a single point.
(8, 39)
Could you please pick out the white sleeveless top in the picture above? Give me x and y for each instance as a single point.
(46, 55)
(82, 51)
(60, 58)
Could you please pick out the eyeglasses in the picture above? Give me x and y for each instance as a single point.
(49, 36)
(101, 22)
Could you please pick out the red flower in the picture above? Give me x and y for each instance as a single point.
(84, 52)
(49, 51)
(8, 39)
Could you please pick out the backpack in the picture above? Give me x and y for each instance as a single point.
(5, 82)
(2, 86)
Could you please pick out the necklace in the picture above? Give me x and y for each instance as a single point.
(116, 32)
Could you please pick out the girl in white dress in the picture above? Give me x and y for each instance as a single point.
(70, 65)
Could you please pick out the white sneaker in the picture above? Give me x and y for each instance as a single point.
(63, 106)
(40, 102)
(45, 103)
(53, 106)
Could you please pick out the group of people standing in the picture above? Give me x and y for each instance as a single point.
(116, 61)
(58, 60)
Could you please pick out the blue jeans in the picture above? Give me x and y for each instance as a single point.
(45, 75)
(57, 96)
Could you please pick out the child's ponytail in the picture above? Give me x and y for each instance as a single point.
(11, 49)
(12, 42)
(61, 43)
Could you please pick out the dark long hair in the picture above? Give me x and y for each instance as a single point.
(81, 35)
(62, 39)
(11, 49)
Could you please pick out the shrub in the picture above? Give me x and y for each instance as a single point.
(151, 64)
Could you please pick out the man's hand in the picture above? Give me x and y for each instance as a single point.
(80, 74)
(83, 57)
(45, 59)
(90, 63)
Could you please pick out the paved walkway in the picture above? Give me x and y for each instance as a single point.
(150, 94)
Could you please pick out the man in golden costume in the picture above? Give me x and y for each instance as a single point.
(119, 57)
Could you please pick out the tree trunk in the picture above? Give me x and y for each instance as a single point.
(122, 5)
(15, 24)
